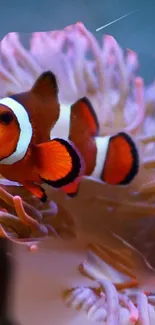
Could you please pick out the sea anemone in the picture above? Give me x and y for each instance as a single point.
(117, 224)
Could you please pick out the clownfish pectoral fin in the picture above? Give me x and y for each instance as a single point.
(71, 189)
(46, 85)
(35, 190)
(84, 119)
(59, 163)
(122, 160)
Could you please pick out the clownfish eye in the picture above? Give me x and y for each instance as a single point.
(6, 118)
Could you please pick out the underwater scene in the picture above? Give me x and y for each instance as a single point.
(77, 178)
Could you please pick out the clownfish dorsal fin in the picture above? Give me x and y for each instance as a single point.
(85, 118)
(122, 160)
(84, 127)
(46, 85)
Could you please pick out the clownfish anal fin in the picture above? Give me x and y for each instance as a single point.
(71, 189)
(46, 85)
(122, 160)
(83, 112)
(59, 163)
(35, 190)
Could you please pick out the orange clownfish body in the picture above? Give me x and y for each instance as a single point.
(112, 159)
(27, 154)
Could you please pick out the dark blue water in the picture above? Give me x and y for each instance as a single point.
(136, 31)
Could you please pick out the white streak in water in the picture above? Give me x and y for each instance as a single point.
(114, 21)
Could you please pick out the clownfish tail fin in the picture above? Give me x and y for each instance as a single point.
(59, 163)
(122, 160)
(84, 118)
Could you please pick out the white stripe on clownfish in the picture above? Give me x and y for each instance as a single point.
(102, 144)
(62, 126)
(26, 130)
(61, 129)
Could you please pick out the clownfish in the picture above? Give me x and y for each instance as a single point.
(27, 153)
(112, 159)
